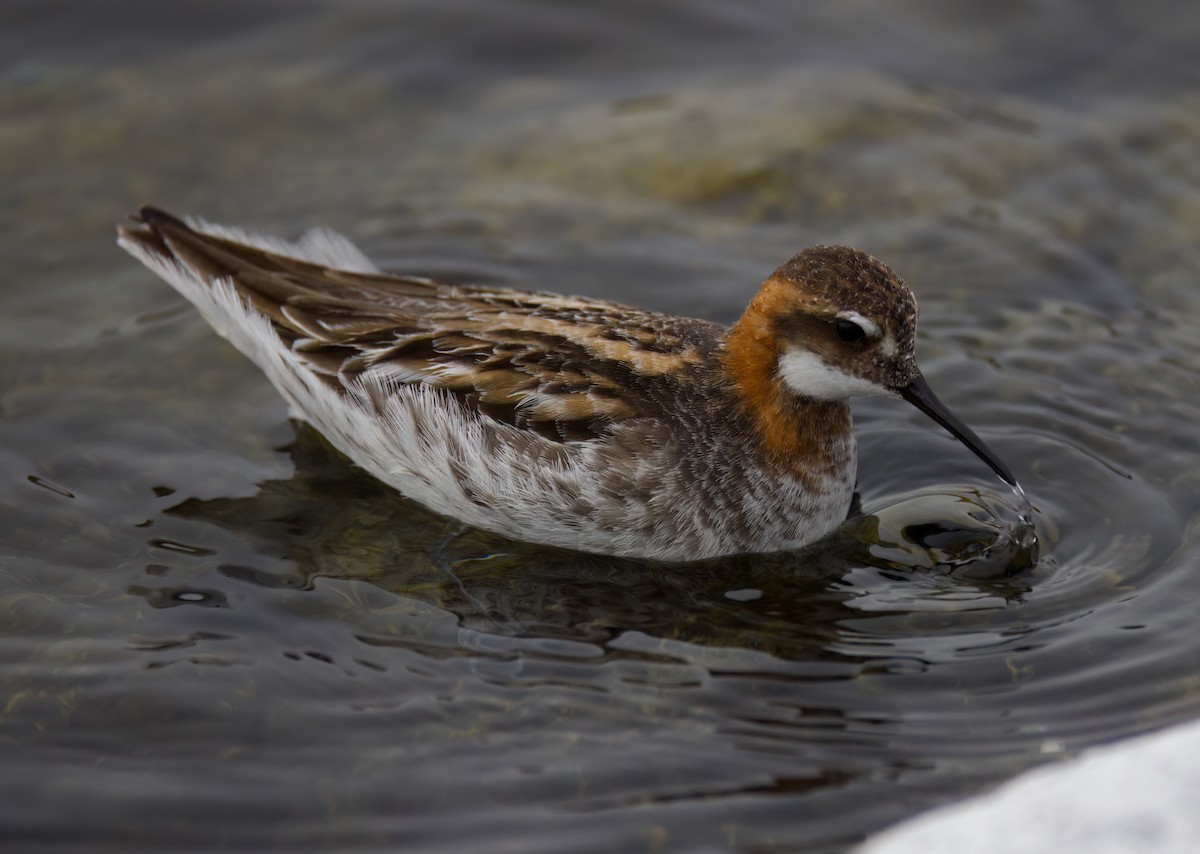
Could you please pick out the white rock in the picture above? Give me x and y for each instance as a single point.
(1140, 795)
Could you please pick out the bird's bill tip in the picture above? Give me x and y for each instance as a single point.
(920, 395)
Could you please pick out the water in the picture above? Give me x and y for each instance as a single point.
(217, 634)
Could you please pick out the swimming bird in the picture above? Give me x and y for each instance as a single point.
(562, 420)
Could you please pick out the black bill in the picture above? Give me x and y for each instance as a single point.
(920, 395)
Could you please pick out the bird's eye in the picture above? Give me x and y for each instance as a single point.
(849, 331)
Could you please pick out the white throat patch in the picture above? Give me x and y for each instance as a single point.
(807, 374)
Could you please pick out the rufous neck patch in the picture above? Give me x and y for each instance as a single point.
(806, 437)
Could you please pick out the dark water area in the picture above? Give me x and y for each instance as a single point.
(216, 634)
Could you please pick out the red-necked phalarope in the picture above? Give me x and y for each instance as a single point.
(562, 420)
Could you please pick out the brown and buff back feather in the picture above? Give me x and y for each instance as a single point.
(565, 368)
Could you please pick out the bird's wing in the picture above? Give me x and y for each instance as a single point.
(563, 367)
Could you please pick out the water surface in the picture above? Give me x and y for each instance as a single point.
(216, 634)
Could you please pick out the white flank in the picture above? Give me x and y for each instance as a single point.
(807, 374)
(405, 435)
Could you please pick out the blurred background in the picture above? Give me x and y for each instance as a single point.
(215, 634)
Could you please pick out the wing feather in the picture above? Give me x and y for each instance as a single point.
(563, 367)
